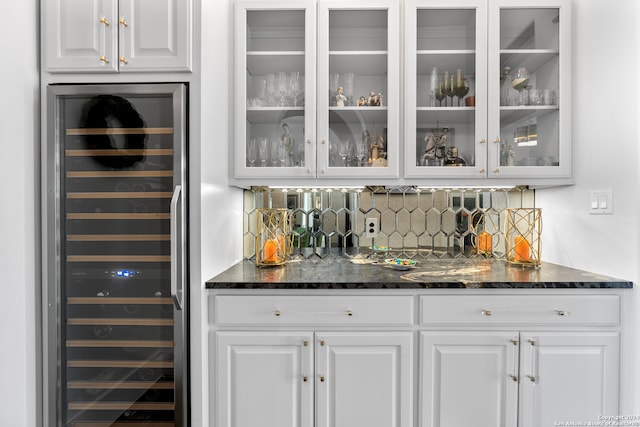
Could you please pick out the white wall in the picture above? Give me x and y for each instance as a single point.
(18, 221)
(607, 155)
(221, 205)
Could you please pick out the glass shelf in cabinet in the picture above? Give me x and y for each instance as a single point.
(359, 62)
(445, 60)
(510, 115)
(359, 114)
(531, 59)
(263, 63)
(267, 115)
(446, 115)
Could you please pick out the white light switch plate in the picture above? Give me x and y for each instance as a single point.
(601, 202)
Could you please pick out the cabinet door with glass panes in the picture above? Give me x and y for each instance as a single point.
(529, 89)
(358, 89)
(275, 64)
(445, 86)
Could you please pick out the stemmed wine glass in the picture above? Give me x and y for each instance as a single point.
(519, 83)
(271, 90)
(281, 88)
(361, 152)
(263, 151)
(461, 86)
(345, 151)
(275, 149)
(440, 95)
(349, 83)
(449, 88)
(293, 87)
(251, 152)
(334, 82)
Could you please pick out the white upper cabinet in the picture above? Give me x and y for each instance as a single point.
(317, 90)
(108, 36)
(358, 89)
(275, 89)
(487, 87)
(445, 83)
(530, 89)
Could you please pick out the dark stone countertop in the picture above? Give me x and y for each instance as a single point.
(341, 273)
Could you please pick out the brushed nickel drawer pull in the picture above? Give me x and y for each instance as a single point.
(561, 312)
(531, 378)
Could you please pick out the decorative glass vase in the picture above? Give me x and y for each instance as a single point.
(522, 234)
(272, 241)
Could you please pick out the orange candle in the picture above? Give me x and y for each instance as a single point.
(521, 249)
(484, 243)
(270, 251)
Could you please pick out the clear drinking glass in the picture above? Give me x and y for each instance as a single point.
(271, 90)
(334, 82)
(293, 88)
(345, 151)
(349, 83)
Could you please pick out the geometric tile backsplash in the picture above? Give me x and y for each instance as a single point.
(417, 223)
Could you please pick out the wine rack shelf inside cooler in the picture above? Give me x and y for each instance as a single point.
(112, 377)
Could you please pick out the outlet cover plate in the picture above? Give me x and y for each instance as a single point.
(371, 227)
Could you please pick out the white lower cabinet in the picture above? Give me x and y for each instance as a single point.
(466, 379)
(308, 379)
(526, 360)
(482, 359)
(526, 379)
(568, 376)
(264, 379)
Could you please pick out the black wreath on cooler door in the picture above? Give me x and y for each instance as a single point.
(111, 111)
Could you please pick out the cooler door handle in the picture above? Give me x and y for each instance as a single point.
(175, 267)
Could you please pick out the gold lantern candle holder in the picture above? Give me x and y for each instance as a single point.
(272, 241)
(523, 236)
(484, 231)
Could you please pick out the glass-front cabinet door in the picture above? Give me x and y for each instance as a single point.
(446, 93)
(275, 89)
(358, 89)
(529, 89)
(339, 119)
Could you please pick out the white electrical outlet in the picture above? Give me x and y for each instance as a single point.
(371, 227)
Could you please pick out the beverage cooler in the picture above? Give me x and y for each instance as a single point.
(115, 256)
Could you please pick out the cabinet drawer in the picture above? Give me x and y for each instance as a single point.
(522, 310)
(322, 310)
